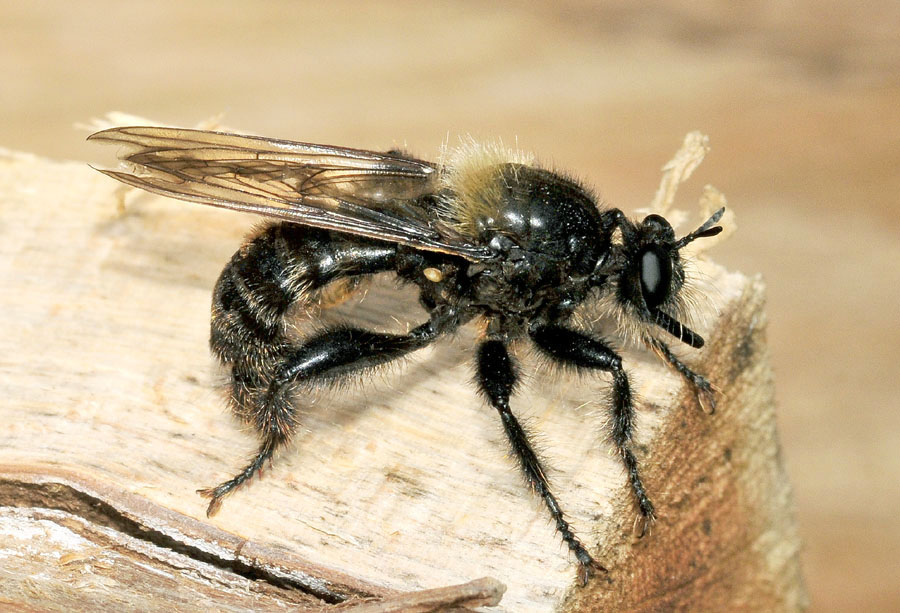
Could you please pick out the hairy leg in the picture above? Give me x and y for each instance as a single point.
(706, 393)
(332, 354)
(280, 272)
(496, 380)
(580, 350)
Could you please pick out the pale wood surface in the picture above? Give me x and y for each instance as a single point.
(404, 484)
(801, 100)
(72, 543)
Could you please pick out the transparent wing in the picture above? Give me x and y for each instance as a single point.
(351, 190)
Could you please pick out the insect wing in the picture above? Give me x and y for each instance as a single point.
(351, 190)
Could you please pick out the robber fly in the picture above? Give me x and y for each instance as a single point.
(488, 235)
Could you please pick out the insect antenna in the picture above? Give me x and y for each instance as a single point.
(707, 229)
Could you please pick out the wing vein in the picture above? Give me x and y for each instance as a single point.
(378, 195)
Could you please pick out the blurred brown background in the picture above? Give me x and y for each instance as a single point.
(801, 101)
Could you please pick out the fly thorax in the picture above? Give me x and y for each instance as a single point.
(518, 282)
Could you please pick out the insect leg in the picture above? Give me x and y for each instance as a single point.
(579, 350)
(329, 356)
(496, 380)
(702, 387)
(279, 273)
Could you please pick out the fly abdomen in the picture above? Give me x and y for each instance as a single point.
(280, 274)
(251, 297)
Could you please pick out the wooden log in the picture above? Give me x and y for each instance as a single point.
(111, 421)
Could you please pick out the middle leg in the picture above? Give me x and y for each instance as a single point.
(496, 380)
(577, 349)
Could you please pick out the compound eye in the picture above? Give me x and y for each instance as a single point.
(656, 276)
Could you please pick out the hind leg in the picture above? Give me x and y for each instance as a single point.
(281, 271)
(335, 353)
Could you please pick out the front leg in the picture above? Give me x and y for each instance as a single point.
(706, 393)
(577, 349)
(496, 380)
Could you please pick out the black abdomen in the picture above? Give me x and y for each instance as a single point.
(274, 277)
